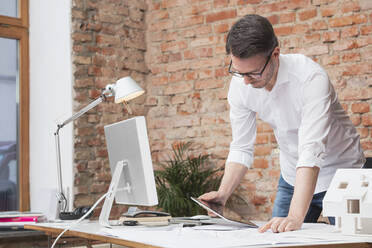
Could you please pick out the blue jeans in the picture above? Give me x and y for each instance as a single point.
(283, 200)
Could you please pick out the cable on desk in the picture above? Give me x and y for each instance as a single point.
(79, 220)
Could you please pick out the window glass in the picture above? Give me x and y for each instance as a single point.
(9, 8)
(9, 102)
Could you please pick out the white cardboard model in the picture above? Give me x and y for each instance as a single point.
(349, 200)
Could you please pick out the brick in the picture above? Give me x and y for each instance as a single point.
(186, 121)
(160, 80)
(221, 28)
(331, 36)
(204, 41)
(83, 60)
(355, 94)
(355, 119)
(205, 52)
(178, 88)
(260, 163)
(350, 32)
(189, 21)
(206, 73)
(173, 57)
(246, 9)
(328, 11)
(319, 25)
(273, 19)
(357, 19)
(315, 50)
(287, 17)
(262, 150)
(351, 6)
(367, 120)
(341, 21)
(351, 57)
(311, 38)
(178, 99)
(267, 8)
(222, 15)
(161, 25)
(331, 60)
(83, 83)
(82, 37)
(167, 4)
(363, 132)
(307, 14)
(294, 4)
(176, 77)
(108, 40)
(173, 46)
(159, 15)
(262, 139)
(362, 42)
(283, 31)
(365, 30)
(342, 45)
(361, 107)
(321, 2)
(244, 2)
(365, 4)
(191, 75)
(208, 84)
(220, 3)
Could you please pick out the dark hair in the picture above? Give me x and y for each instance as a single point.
(251, 35)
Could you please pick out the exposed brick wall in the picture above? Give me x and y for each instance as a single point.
(183, 67)
(188, 82)
(108, 39)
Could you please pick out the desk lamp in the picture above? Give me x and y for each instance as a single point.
(124, 90)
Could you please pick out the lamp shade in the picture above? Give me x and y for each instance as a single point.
(127, 89)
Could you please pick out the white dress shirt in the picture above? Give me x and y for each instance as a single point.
(310, 125)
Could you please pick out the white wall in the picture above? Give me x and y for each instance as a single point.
(50, 98)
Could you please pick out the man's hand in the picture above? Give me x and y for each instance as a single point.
(213, 197)
(282, 224)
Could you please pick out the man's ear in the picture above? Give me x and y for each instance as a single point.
(276, 52)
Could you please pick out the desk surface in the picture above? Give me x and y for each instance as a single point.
(313, 235)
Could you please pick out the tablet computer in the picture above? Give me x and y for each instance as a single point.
(217, 209)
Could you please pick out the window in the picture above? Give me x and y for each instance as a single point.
(14, 106)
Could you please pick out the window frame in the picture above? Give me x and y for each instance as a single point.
(18, 28)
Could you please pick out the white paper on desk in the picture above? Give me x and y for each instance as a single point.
(189, 237)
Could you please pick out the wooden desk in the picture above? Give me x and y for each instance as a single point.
(53, 232)
(92, 231)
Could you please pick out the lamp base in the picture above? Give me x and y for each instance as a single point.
(76, 214)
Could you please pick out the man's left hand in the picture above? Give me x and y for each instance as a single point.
(282, 224)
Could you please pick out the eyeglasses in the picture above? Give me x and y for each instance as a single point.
(251, 75)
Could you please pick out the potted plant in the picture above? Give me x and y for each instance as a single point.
(183, 176)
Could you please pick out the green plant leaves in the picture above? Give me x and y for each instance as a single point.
(183, 176)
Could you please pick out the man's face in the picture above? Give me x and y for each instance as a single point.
(255, 65)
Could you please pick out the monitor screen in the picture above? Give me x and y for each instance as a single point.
(128, 141)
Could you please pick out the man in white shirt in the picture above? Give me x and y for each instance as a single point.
(294, 95)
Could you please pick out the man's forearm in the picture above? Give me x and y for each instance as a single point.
(233, 174)
(306, 178)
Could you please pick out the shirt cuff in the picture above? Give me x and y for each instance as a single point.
(240, 157)
(310, 159)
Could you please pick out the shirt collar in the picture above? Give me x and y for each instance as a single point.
(282, 72)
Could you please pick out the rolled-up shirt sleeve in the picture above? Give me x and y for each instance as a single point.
(243, 124)
(316, 122)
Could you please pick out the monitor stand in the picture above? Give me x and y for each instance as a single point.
(109, 200)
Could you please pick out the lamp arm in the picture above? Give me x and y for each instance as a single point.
(82, 111)
(62, 200)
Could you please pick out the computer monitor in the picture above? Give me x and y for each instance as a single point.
(133, 181)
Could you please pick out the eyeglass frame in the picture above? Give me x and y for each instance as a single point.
(252, 75)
